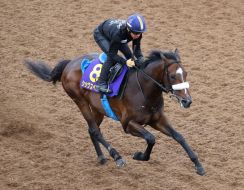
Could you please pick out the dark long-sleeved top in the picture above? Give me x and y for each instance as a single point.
(117, 34)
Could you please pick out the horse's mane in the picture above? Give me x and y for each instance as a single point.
(158, 55)
(154, 55)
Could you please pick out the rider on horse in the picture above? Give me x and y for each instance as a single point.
(112, 36)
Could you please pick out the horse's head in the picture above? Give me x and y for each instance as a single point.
(166, 71)
(174, 75)
(174, 78)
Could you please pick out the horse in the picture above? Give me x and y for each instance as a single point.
(142, 103)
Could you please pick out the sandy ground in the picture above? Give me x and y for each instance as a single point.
(44, 142)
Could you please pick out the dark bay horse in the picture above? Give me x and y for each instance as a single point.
(142, 103)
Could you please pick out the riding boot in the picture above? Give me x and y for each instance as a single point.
(102, 82)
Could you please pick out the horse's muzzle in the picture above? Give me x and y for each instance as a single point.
(186, 103)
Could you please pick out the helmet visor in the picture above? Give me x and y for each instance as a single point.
(133, 32)
(136, 33)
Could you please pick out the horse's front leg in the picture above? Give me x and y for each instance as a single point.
(163, 125)
(138, 130)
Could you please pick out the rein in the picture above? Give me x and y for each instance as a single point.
(157, 83)
(138, 69)
(138, 82)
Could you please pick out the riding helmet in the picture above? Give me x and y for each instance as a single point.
(136, 23)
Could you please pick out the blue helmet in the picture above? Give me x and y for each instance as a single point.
(136, 23)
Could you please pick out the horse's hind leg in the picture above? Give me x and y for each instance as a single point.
(98, 118)
(163, 126)
(93, 123)
(95, 132)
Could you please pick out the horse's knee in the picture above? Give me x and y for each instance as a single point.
(149, 138)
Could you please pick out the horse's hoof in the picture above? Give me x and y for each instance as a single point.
(140, 156)
(102, 160)
(120, 162)
(200, 170)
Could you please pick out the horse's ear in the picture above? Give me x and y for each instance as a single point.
(177, 52)
(162, 56)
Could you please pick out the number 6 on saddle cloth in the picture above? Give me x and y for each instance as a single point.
(91, 70)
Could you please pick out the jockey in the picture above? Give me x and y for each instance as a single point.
(112, 36)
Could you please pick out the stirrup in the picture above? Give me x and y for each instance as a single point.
(103, 88)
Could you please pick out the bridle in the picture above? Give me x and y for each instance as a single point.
(172, 88)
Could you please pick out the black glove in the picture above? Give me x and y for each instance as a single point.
(139, 61)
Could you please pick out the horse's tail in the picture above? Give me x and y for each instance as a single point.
(44, 72)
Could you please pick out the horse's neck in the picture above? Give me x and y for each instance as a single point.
(155, 70)
(150, 89)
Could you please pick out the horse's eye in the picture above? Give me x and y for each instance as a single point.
(172, 77)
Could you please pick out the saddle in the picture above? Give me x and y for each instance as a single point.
(114, 72)
(91, 70)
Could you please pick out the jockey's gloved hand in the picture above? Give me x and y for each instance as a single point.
(130, 63)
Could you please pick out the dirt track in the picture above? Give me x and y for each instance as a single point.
(44, 142)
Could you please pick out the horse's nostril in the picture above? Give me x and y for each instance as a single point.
(186, 103)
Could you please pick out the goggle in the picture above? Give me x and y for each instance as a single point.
(136, 33)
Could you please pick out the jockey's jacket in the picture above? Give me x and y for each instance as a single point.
(115, 31)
